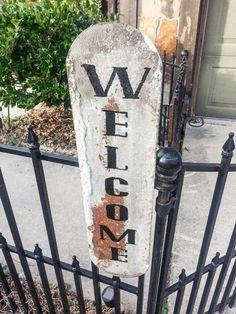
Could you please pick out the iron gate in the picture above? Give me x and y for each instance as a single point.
(169, 182)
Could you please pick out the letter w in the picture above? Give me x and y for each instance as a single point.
(123, 77)
(129, 232)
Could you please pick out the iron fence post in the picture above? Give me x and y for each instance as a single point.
(168, 165)
(33, 145)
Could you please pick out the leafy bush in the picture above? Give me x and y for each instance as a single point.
(35, 38)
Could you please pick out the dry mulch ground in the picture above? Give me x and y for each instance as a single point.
(72, 300)
(54, 127)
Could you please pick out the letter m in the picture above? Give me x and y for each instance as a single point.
(129, 232)
(122, 74)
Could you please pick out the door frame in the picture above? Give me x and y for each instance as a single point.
(192, 38)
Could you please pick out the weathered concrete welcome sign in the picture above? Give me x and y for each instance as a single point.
(114, 75)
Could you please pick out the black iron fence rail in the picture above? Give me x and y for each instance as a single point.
(83, 272)
(74, 162)
(171, 289)
(169, 220)
(37, 157)
(56, 158)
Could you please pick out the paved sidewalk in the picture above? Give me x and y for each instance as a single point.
(203, 145)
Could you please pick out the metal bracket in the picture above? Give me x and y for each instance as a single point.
(164, 209)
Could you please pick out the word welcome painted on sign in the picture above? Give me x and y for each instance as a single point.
(114, 79)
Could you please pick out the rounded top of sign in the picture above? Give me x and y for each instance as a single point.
(109, 36)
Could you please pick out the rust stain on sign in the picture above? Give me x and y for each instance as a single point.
(102, 247)
(111, 105)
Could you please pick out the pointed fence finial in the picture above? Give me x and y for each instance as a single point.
(3, 240)
(184, 53)
(75, 263)
(32, 138)
(38, 251)
(108, 296)
(216, 259)
(229, 146)
(182, 276)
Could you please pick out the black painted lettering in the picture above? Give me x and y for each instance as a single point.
(110, 189)
(111, 158)
(122, 74)
(117, 212)
(129, 232)
(118, 255)
(111, 123)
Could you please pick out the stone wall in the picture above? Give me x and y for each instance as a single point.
(159, 20)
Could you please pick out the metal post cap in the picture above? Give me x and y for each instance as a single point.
(184, 53)
(32, 138)
(168, 162)
(108, 296)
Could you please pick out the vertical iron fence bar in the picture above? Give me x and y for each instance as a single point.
(165, 107)
(228, 288)
(18, 243)
(97, 290)
(175, 112)
(180, 293)
(43, 194)
(139, 306)
(137, 13)
(2, 301)
(180, 92)
(168, 164)
(43, 276)
(208, 284)
(116, 287)
(13, 272)
(172, 78)
(104, 7)
(7, 290)
(223, 272)
(156, 263)
(227, 154)
(160, 140)
(115, 4)
(1, 118)
(78, 285)
(170, 232)
(232, 302)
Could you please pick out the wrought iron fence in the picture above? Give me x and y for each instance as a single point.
(169, 213)
(167, 205)
(37, 255)
(174, 102)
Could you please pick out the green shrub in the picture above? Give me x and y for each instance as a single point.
(35, 37)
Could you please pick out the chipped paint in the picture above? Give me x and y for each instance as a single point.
(183, 34)
(166, 39)
(164, 8)
(186, 30)
(188, 20)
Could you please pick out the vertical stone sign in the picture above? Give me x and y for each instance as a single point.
(114, 75)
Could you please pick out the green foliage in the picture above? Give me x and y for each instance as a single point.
(35, 38)
(164, 309)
